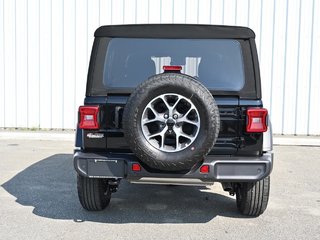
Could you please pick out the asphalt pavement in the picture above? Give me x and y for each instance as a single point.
(38, 200)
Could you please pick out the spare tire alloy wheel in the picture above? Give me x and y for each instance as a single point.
(170, 122)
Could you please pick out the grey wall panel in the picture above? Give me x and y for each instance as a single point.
(45, 48)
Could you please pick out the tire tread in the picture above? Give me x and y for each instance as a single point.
(252, 198)
(94, 194)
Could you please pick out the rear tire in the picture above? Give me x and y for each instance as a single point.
(94, 193)
(252, 197)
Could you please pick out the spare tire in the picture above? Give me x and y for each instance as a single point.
(171, 121)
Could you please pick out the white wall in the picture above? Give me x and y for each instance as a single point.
(45, 46)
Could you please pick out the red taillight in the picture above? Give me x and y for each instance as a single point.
(136, 167)
(257, 120)
(204, 169)
(172, 68)
(89, 117)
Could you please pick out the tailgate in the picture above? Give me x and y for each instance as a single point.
(232, 139)
(228, 140)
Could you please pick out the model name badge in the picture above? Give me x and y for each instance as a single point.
(95, 135)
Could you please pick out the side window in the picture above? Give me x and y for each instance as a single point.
(190, 65)
(160, 62)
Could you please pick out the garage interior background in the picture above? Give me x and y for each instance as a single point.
(45, 46)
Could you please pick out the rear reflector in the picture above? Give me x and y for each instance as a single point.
(257, 120)
(204, 169)
(172, 68)
(136, 167)
(89, 117)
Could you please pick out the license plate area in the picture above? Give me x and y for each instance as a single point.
(106, 168)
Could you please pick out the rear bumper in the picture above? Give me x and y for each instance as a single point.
(221, 169)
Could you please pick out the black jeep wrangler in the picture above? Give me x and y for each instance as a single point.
(174, 104)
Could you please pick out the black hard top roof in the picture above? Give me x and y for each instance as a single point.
(191, 31)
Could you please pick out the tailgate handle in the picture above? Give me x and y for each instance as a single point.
(117, 119)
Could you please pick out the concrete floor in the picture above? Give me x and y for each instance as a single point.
(39, 201)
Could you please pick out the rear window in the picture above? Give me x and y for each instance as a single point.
(217, 63)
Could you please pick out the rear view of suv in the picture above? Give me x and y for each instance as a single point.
(174, 104)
